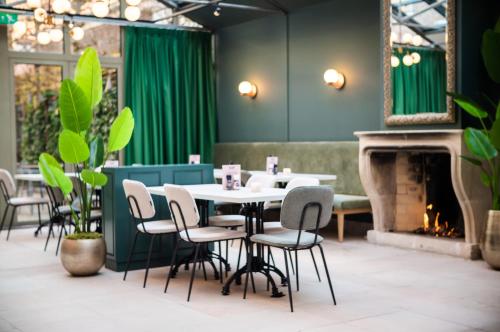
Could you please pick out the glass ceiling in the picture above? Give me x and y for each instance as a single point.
(426, 18)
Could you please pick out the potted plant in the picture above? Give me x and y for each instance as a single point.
(484, 145)
(83, 252)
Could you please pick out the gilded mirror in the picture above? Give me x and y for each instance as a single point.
(419, 61)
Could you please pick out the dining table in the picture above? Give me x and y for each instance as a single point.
(282, 178)
(253, 208)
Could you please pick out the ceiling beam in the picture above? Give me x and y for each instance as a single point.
(423, 10)
(229, 5)
(187, 9)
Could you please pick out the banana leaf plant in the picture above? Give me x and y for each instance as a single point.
(78, 98)
(484, 143)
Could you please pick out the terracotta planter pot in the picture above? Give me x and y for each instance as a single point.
(83, 257)
(491, 248)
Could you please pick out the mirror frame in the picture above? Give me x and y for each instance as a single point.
(421, 118)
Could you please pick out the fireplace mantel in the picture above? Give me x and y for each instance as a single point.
(473, 198)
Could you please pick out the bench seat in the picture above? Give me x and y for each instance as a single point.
(350, 202)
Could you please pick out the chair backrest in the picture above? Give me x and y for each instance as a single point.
(56, 196)
(302, 205)
(266, 181)
(139, 199)
(301, 182)
(8, 185)
(245, 175)
(182, 206)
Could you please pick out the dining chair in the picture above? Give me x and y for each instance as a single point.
(59, 212)
(304, 212)
(233, 221)
(186, 218)
(9, 191)
(142, 210)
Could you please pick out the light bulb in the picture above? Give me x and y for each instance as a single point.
(132, 13)
(415, 57)
(247, 89)
(19, 28)
(394, 61)
(34, 3)
(100, 9)
(217, 11)
(40, 15)
(407, 38)
(133, 2)
(394, 37)
(417, 40)
(43, 38)
(334, 78)
(56, 35)
(407, 60)
(59, 6)
(77, 33)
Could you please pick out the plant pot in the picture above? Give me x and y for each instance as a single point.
(83, 257)
(491, 247)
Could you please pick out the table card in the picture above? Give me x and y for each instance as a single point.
(194, 159)
(272, 165)
(231, 177)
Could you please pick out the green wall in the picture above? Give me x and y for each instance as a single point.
(286, 58)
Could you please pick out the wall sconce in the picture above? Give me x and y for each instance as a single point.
(247, 89)
(334, 78)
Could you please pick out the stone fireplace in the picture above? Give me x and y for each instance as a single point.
(423, 195)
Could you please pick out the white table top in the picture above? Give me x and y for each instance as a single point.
(214, 192)
(280, 177)
(36, 177)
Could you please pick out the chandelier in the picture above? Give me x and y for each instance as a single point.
(48, 25)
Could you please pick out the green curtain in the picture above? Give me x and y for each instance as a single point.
(170, 87)
(419, 88)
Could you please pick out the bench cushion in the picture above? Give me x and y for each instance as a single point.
(350, 202)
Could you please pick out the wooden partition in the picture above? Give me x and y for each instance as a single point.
(118, 225)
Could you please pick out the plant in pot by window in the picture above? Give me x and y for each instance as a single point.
(484, 145)
(83, 252)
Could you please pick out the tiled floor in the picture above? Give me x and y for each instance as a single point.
(378, 289)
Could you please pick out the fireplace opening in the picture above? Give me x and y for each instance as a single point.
(442, 216)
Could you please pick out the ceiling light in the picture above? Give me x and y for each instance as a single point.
(19, 28)
(100, 8)
(132, 13)
(247, 89)
(334, 78)
(407, 38)
(415, 57)
(40, 15)
(56, 35)
(133, 2)
(394, 61)
(407, 60)
(77, 33)
(217, 11)
(60, 6)
(417, 40)
(43, 38)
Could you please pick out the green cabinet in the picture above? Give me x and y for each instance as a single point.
(119, 227)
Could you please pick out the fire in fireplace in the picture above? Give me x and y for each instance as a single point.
(432, 225)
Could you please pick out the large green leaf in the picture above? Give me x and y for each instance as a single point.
(469, 106)
(498, 111)
(485, 179)
(490, 50)
(88, 76)
(45, 164)
(94, 179)
(473, 161)
(121, 130)
(96, 152)
(72, 147)
(479, 144)
(495, 134)
(75, 112)
(63, 182)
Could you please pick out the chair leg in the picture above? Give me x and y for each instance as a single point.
(172, 261)
(130, 255)
(193, 270)
(297, 268)
(51, 225)
(268, 263)
(60, 236)
(291, 262)
(239, 255)
(249, 260)
(315, 266)
(39, 215)
(227, 255)
(289, 284)
(340, 226)
(3, 217)
(149, 260)
(221, 275)
(11, 221)
(327, 274)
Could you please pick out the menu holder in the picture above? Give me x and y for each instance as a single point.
(194, 159)
(231, 177)
(272, 165)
